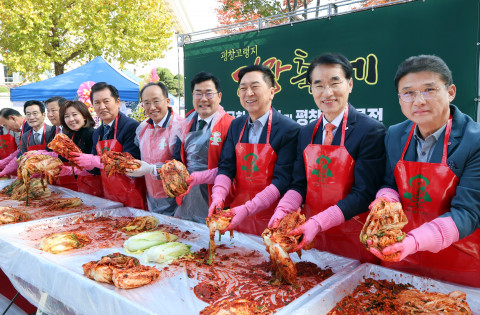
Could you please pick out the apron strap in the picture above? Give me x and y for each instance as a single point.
(344, 125)
(23, 128)
(448, 129)
(269, 127)
(45, 133)
(115, 131)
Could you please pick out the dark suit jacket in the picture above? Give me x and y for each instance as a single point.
(125, 135)
(83, 139)
(50, 134)
(463, 158)
(283, 139)
(364, 138)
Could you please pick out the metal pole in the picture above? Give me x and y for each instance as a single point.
(11, 302)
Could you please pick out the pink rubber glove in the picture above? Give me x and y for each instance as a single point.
(309, 230)
(7, 160)
(290, 202)
(432, 236)
(82, 172)
(65, 171)
(45, 152)
(87, 161)
(261, 201)
(219, 192)
(387, 194)
(10, 168)
(197, 178)
(330, 217)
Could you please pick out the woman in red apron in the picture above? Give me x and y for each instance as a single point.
(421, 181)
(131, 192)
(77, 123)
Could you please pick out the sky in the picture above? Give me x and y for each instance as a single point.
(202, 13)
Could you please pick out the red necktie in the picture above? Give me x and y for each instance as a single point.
(57, 131)
(328, 135)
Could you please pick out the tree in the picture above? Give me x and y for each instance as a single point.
(38, 34)
(239, 11)
(167, 77)
(369, 3)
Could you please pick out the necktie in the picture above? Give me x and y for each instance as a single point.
(57, 130)
(201, 124)
(106, 129)
(328, 135)
(37, 138)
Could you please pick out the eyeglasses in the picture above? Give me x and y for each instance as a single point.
(33, 114)
(427, 94)
(320, 88)
(156, 103)
(208, 95)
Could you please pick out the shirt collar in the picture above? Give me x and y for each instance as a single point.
(262, 120)
(160, 124)
(207, 120)
(336, 121)
(110, 124)
(40, 131)
(436, 134)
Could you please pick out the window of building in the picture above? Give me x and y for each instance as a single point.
(7, 74)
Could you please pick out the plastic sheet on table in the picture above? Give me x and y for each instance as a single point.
(43, 300)
(326, 300)
(89, 202)
(61, 276)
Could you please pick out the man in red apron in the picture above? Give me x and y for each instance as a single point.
(41, 134)
(433, 167)
(259, 153)
(156, 138)
(117, 133)
(201, 139)
(338, 167)
(16, 125)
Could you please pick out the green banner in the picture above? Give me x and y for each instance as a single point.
(375, 41)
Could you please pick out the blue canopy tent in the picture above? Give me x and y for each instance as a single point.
(67, 84)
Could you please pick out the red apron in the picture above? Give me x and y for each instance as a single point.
(131, 192)
(7, 145)
(330, 177)
(255, 165)
(426, 191)
(154, 146)
(67, 181)
(90, 184)
(38, 146)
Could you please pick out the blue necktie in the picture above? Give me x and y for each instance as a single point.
(106, 129)
(201, 124)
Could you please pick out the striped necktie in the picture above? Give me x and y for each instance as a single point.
(106, 129)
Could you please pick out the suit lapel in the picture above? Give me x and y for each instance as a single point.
(349, 128)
